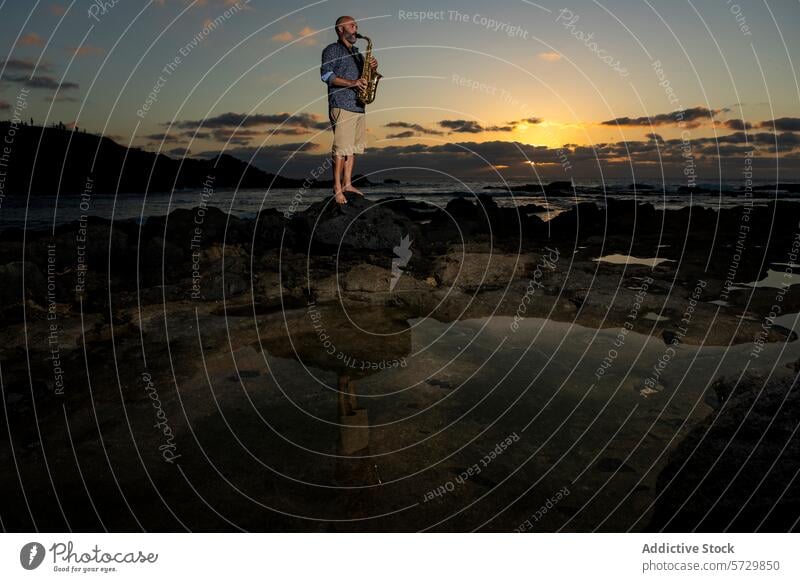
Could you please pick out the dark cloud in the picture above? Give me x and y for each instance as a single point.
(4, 106)
(303, 120)
(465, 126)
(461, 126)
(165, 137)
(401, 135)
(23, 65)
(654, 137)
(292, 147)
(738, 124)
(691, 117)
(473, 159)
(782, 124)
(287, 131)
(61, 98)
(785, 141)
(724, 150)
(40, 82)
(415, 127)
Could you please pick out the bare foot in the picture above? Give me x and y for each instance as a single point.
(339, 196)
(353, 189)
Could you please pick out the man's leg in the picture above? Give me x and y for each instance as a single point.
(348, 176)
(358, 139)
(337, 157)
(339, 165)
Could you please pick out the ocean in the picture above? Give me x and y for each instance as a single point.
(41, 212)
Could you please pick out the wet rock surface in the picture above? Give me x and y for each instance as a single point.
(129, 299)
(736, 471)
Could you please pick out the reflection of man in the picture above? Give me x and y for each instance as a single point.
(353, 419)
(341, 70)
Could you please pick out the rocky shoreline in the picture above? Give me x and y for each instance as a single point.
(374, 264)
(464, 250)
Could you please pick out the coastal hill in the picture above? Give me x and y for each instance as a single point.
(64, 158)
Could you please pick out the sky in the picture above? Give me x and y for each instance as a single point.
(619, 89)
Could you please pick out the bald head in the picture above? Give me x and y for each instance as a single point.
(346, 28)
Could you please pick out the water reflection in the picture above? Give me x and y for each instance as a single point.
(602, 430)
(362, 417)
(617, 259)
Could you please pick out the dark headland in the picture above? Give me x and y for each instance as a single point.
(65, 159)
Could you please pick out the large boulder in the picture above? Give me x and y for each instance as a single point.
(360, 224)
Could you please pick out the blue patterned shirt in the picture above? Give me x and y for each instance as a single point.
(338, 61)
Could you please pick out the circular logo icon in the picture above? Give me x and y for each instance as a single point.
(31, 555)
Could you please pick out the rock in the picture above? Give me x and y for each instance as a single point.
(718, 479)
(370, 278)
(360, 224)
(477, 270)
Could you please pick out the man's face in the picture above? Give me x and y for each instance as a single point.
(349, 30)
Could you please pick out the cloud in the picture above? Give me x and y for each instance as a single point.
(691, 118)
(310, 34)
(159, 137)
(302, 120)
(461, 126)
(499, 128)
(86, 50)
(60, 98)
(290, 147)
(785, 141)
(738, 124)
(40, 82)
(284, 36)
(23, 65)
(4, 106)
(465, 126)
(235, 136)
(31, 39)
(240, 135)
(311, 37)
(287, 131)
(550, 57)
(401, 135)
(269, 153)
(57, 9)
(782, 124)
(415, 127)
(477, 158)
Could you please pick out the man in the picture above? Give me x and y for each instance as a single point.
(341, 70)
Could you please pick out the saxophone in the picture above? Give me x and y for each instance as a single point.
(367, 94)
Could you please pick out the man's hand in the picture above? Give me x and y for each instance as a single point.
(359, 84)
(373, 63)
